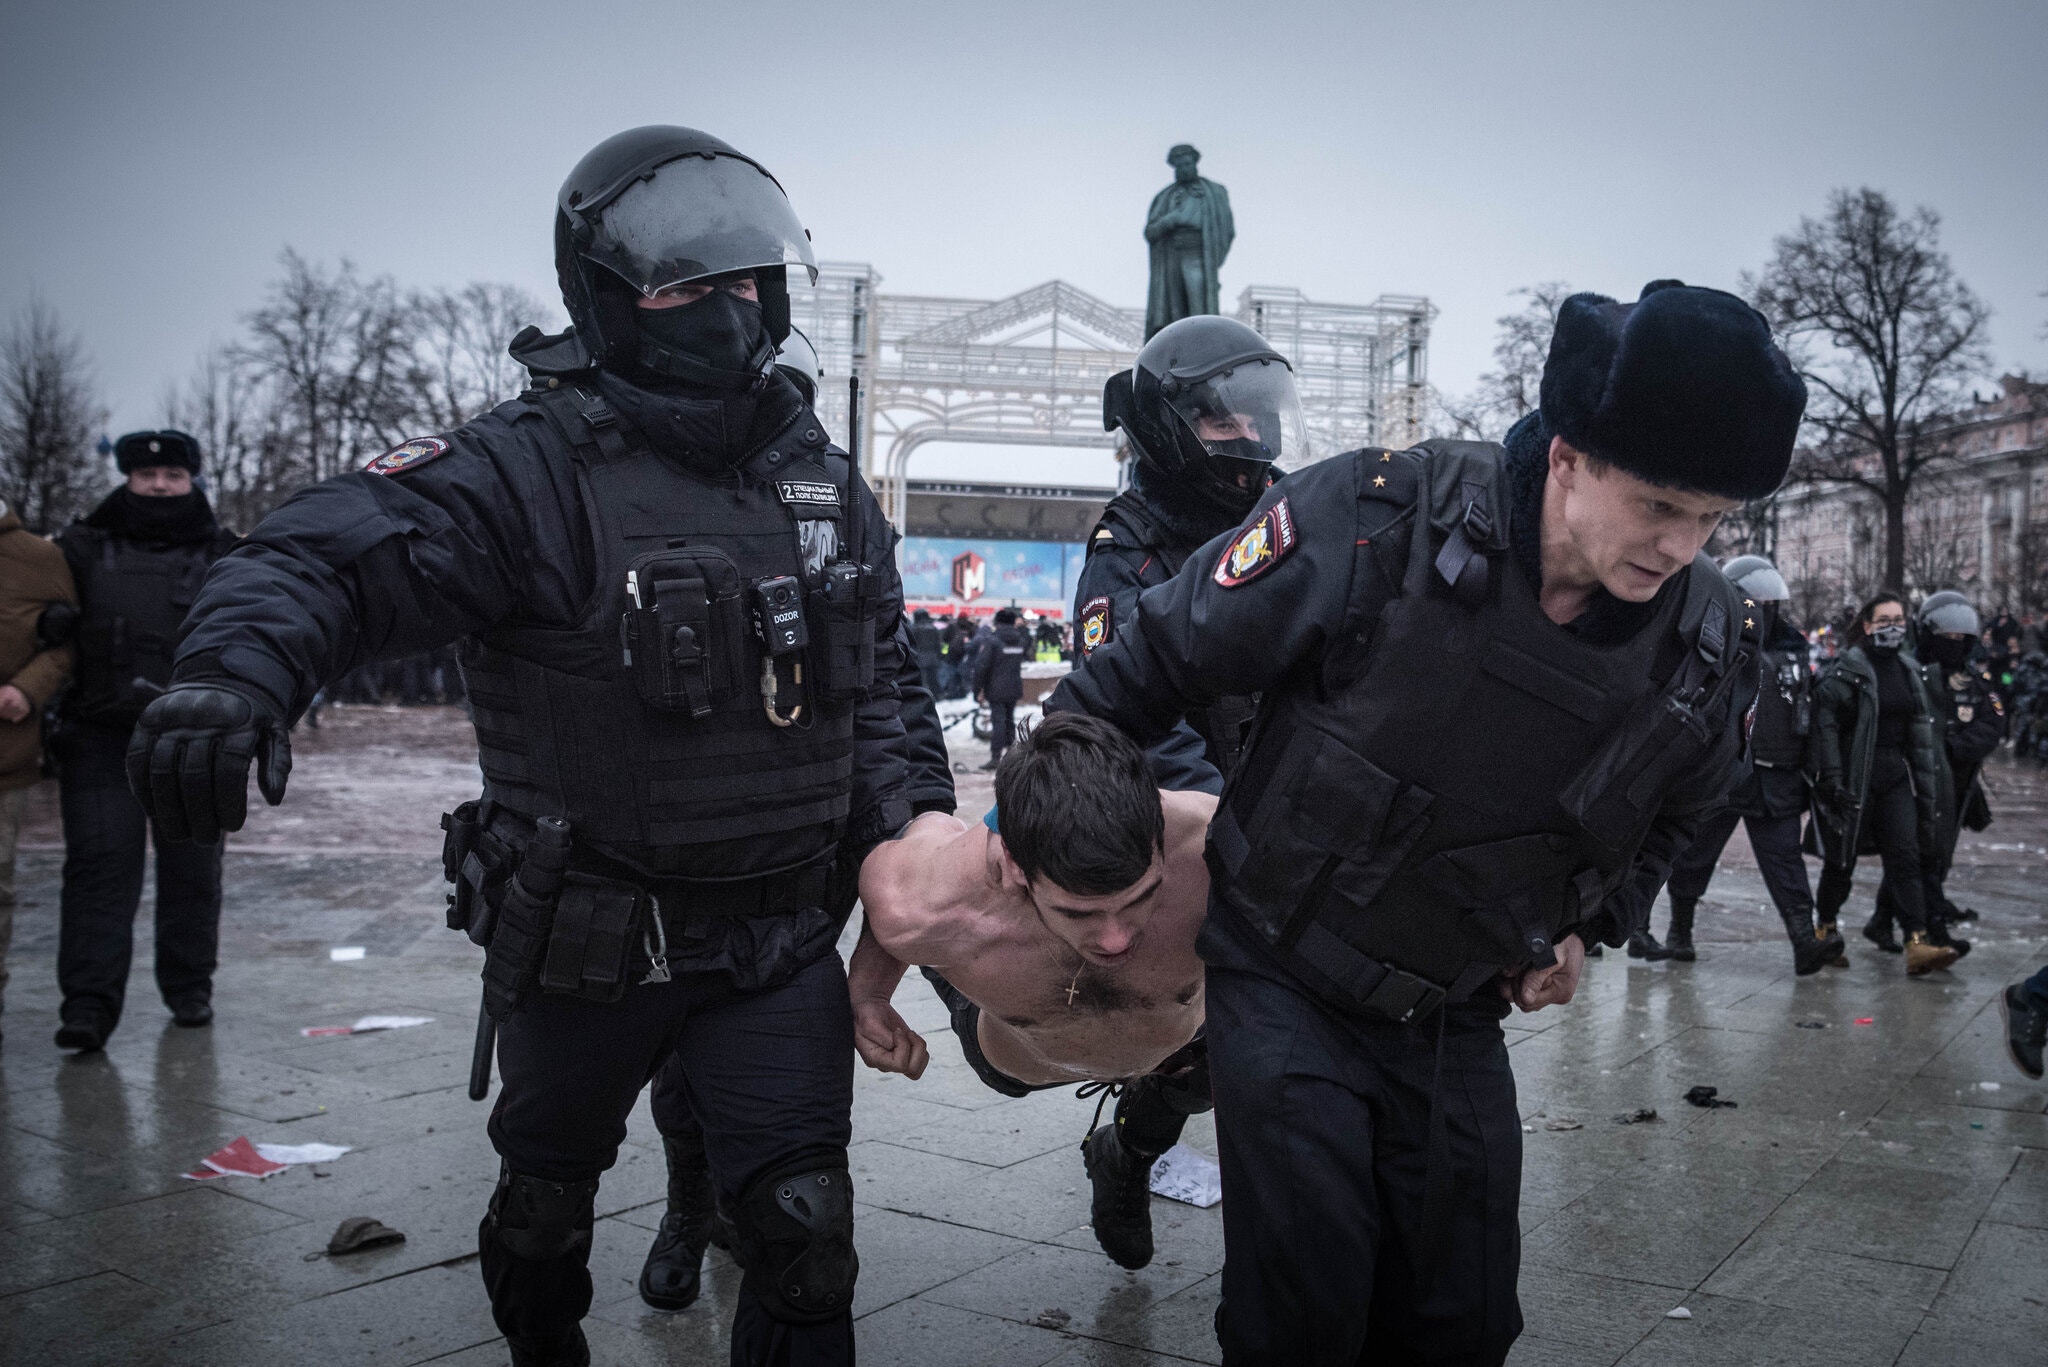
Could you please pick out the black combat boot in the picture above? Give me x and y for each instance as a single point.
(1878, 930)
(673, 1274)
(1824, 931)
(1810, 952)
(1122, 1202)
(572, 1350)
(1938, 933)
(1678, 940)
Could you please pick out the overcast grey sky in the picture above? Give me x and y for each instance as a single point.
(158, 156)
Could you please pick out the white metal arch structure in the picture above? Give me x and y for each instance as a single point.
(1028, 370)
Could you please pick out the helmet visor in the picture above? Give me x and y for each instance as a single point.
(1765, 585)
(698, 216)
(1248, 412)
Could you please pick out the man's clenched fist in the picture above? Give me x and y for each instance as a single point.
(189, 759)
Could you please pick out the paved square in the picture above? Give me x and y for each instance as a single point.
(1880, 1194)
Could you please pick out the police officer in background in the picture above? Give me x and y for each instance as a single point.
(1971, 716)
(1190, 410)
(1498, 692)
(999, 682)
(137, 559)
(679, 619)
(1771, 800)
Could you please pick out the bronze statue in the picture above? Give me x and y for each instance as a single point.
(1190, 229)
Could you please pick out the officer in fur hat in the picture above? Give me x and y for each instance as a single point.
(1499, 689)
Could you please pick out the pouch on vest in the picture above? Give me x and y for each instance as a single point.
(1620, 789)
(591, 941)
(683, 637)
(463, 826)
(1511, 896)
(1320, 824)
(842, 609)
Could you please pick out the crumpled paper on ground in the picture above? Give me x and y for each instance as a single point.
(244, 1159)
(1184, 1175)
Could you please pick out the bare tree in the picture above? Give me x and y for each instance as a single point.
(235, 414)
(460, 366)
(1887, 337)
(1939, 539)
(334, 346)
(49, 472)
(1511, 390)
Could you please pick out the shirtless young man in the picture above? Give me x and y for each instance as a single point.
(1064, 946)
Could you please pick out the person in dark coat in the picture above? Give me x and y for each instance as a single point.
(930, 646)
(138, 559)
(999, 681)
(1970, 721)
(1876, 767)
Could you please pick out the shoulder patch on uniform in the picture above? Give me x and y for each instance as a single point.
(412, 454)
(808, 494)
(1258, 548)
(1098, 622)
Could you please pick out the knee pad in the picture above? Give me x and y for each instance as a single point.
(794, 1233)
(536, 1219)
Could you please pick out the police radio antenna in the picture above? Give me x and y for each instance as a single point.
(853, 419)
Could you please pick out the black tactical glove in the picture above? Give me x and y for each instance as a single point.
(189, 759)
(1828, 788)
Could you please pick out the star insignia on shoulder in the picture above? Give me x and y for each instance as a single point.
(1386, 456)
(1749, 622)
(1379, 481)
(1749, 602)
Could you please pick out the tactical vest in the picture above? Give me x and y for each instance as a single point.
(646, 725)
(1224, 723)
(132, 602)
(1476, 780)
(1784, 708)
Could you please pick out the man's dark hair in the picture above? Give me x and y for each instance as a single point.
(1006, 617)
(1078, 804)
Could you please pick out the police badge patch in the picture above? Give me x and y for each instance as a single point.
(414, 453)
(1096, 622)
(1258, 548)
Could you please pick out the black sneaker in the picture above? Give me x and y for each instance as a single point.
(1643, 945)
(192, 1012)
(2026, 1029)
(1122, 1203)
(1882, 937)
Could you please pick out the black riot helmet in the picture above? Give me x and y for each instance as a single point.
(660, 206)
(1212, 406)
(1946, 628)
(798, 359)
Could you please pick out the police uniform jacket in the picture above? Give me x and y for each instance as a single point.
(1440, 780)
(494, 535)
(1844, 744)
(1971, 720)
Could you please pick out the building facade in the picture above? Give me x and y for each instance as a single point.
(1978, 520)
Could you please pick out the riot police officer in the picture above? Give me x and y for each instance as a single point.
(679, 619)
(1771, 800)
(1971, 718)
(137, 559)
(1208, 412)
(1498, 691)
(1190, 409)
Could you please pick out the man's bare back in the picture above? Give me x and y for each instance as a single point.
(1110, 996)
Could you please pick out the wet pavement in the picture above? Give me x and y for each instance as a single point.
(1879, 1195)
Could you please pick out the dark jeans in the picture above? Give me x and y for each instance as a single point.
(1323, 1126)
(106, 837)
(768, 1075)
(1892, 818)
(2036, 987)
(1775, 839)
(1002, 727)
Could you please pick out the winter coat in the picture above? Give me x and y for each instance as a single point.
(1844, 743)
(33, 575)
(999, 667)
(1971, 722)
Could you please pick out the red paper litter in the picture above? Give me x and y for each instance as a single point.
(240, 1159)
(1866, 1020)
(321, 1031)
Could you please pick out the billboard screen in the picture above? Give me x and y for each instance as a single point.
(966, 572)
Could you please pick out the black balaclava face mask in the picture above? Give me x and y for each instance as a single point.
(167, 517)
(721, 331)
(1952, 651)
